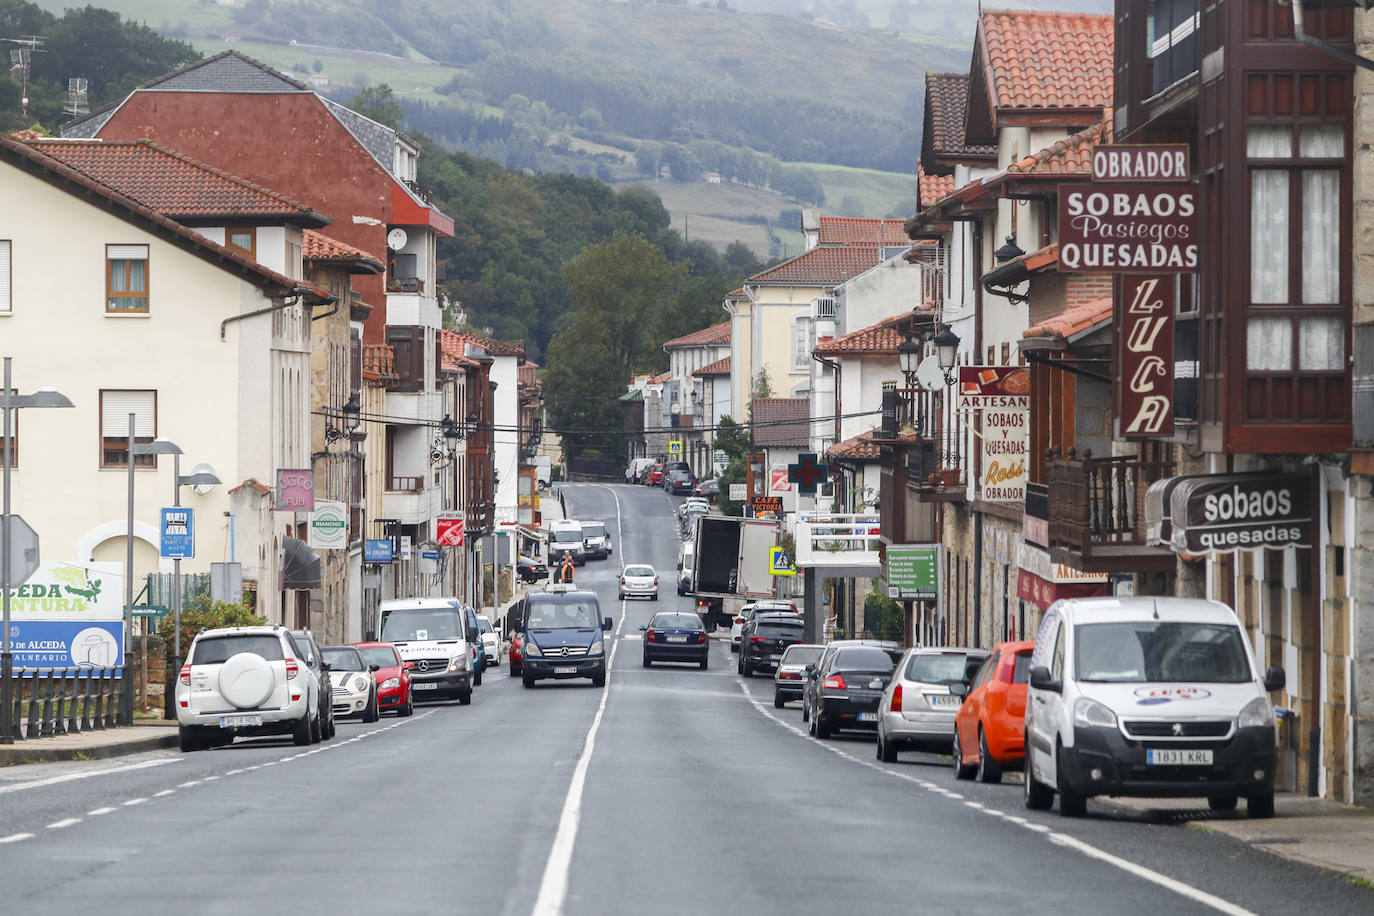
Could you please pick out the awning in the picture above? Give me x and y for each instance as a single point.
(1218, 513)
(1042, 593)
(300, 566)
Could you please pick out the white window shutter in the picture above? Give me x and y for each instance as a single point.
(115, 407)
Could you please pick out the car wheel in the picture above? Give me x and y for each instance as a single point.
(316, 730)
(1222, 802)
(1259, 806)
(822, 729)
(705, 662)
(300, 734)
(810, 726)
(477, 676)
(655, 598)
(526, 679)
(648, 662)
(778, 701)
(189, 738)
(1071, 804)
(329, 727)
(961, 769)
(622, 596)
(599, 679)
(465, 698)
(409, 708)
(887, 751)
(989, 770)
(1037, 795)
(372, 712)
(734, 647)
(806, 711)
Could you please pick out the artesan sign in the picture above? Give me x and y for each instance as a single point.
(1144, 321)
(1001, 395)
(1224, 512)
(1128, 228)
(1140, 163)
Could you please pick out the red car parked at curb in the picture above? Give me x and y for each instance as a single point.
(393, 677)
(516, 654)
(990, 727)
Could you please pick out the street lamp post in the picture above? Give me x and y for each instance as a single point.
(43, 397)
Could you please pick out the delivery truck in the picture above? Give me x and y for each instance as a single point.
(730, 564)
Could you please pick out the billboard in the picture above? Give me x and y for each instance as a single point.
(68, 615)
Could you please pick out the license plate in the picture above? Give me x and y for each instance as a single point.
(565, 670)
(773, 658)
(944, 700)
(677, 639)
(416, 685)
(232, 721)
(868, 717)
(1171, 757)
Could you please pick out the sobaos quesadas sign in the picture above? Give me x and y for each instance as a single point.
(68, 616)
(1001, 396)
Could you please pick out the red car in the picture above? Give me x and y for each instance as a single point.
(393, 677)
(516, 654)
(990, 727)
(654, 477)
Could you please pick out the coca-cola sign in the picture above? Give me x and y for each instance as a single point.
(1128, 228)
(1144, 320)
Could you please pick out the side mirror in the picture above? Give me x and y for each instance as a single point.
(324, 666)
(409, 665)
(958, 690)
(374, 668)
(1040, 679)
(642, 629)
(809, 670)
(1274, 679)
(606, 624)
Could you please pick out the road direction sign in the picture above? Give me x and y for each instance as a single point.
(780, 562)
(149, 610)
(23, 550)
(913, 572)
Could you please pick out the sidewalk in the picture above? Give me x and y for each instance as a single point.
(1327, 834)
(143, 735)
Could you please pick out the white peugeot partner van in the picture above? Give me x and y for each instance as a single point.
(1150, 697)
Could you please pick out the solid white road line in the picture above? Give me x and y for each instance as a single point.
(1059, 839)
(85, 774)
(553, 888)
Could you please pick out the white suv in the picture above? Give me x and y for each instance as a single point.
(245, 681)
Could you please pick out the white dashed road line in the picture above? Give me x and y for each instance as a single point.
(15, 837)
(65, 822)
(86, 774)
(96, 812)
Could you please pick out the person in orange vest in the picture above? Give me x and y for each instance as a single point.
(565, 569)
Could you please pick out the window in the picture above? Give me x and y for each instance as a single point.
(801, 344)
(126, 279)
(115, 407)
(5, 245)
(243, 239)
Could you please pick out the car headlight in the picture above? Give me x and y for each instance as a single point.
(360, 684)
(459, 663)
(1092, 713)
(1258, 713)
(531, 648)
(391, 682)
(597, 648)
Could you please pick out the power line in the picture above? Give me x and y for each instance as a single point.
(573, 430)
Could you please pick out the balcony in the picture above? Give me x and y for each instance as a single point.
(934, 460)
(405, 285)
(838, 545)
(1096, 512)
(412, 500)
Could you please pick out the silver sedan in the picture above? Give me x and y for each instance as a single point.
(917, 710)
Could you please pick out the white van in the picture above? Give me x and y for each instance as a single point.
(566, 537)
(1149, 697)
(440, 636)
(685, 557)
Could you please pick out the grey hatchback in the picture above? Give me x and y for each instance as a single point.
(917, 709)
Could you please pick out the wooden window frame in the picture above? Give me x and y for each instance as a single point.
(252, 250)
(112, 293)
(141, 462)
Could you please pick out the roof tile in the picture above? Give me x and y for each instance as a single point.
(943, 134)
(715, 335)
(1070, 156)
(860, 447)
(719, 367)
(316, 246)
(1073, 321)
(853, 230)
(822, 265)
(875, 340)
(1038, 59)
(781, 422)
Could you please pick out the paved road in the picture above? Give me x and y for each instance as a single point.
(673, 790)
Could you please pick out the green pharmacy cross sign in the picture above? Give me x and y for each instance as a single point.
(807, 473)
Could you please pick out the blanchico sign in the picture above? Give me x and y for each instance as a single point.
(1145, 352)
(1140, 227)
(1224, 512)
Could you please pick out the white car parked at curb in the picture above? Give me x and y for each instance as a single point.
(355, 689)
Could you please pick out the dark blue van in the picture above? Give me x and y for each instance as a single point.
(564, 635)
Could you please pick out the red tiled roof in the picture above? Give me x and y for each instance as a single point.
(715, 335)
(781, 422)
(853, 230)
(822, 266)
(874, 340)
(28, 133)
(1037, 59)
(1070, 156)
(943, 132)
(719, 367)
(494, 347)
(378, 361)
(1073, 321)
(318, 247)
(173, 184)
(860, 448)
(660, 379)
(931, 189)
(736, 294)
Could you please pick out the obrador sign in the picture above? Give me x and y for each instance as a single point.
(1146, 227)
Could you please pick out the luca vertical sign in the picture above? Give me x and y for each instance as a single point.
(1145, 352)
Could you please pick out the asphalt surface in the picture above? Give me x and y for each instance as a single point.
(673, 790)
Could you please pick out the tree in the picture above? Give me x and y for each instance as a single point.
(379, 103)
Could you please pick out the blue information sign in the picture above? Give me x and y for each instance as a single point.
(378, 550)
(178, 533)
(67, 644)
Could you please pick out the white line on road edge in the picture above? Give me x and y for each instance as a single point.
(553, 888)
(1059, 839)
(85, 774)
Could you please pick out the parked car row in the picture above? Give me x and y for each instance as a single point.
(1152, 697)
(270, 680)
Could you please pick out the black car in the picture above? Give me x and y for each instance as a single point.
(531, 570)
(764, 639)
(679, 481)
(319, 670)
(844, 692)
(709, 488)
(676, 636)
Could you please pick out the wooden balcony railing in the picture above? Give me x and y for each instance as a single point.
(405, 285)
(405, 484)
(1097, 505)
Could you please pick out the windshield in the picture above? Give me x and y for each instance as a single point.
(1155, 651)
(862, 658)
(379, 655)
(594, 530)
(422, 624)
(219, 649)
(945, 668)
(568, 533)
(344, 658)
(680, 621)
(639, 570)
(563, 615)
(778, 630)
(802, 655)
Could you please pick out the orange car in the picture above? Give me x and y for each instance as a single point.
(990, 727)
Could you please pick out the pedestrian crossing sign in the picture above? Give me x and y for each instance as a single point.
(675, 447)
(780, 562)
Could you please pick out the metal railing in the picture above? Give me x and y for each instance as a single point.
(62, 701)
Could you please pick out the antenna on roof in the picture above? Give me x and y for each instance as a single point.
(76, 96)
(21, 65)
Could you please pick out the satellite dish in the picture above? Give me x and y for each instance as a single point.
(396, 239)
(929, 375)
(203, 468)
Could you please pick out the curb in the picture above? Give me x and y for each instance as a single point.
(34, 752)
